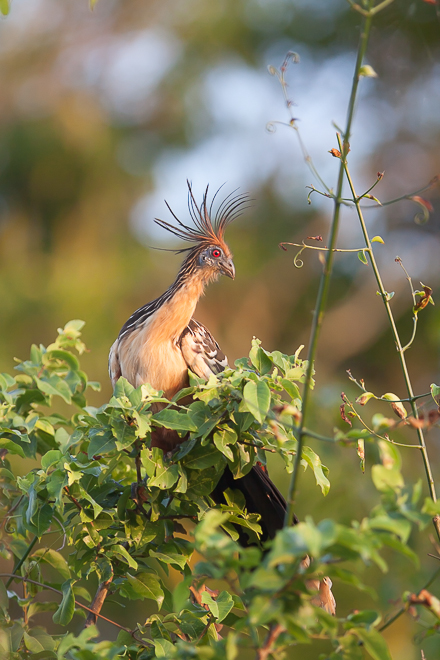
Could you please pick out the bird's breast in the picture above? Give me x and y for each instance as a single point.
(151, 352)
(148, 358)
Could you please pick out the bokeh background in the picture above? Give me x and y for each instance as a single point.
(106, 113)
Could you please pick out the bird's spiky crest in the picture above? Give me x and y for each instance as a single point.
(206, 230)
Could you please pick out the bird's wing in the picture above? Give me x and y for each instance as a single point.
(200, 351)
(114, 366)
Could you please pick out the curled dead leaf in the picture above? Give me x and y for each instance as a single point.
(396, 405)
(343, 415)
(426, 598)
(335, 153)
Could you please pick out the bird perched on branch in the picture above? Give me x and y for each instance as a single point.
(161, 341)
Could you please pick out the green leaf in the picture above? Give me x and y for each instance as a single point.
(66, 609)
(54, 559)
(165, 477)
(319, 470)
(203, 457)
(102, 442)
(256, 397)
(378, 239)
(173, 553)
(292, 389)
(124, 433)
(222, 439)
(123, 388)
(365, 397)
(32, 644)
(54, 385)
(402, 548)
(97, 508)
(12, 447)
(163, 648)
(70, 359)
(367, 618)
(208, 600)
(146, 585)
(363, 257)
(367, 71)
(6, 381)
(385, 478)
(203, 418)
(42, 519)
(173, 419)
(4, 7)
(398, 526)
(50, 458)
(435, 392)
(374, 643)
(181, 594)
(259, 358)
(120, 550)
(193, 624)
(225, 603)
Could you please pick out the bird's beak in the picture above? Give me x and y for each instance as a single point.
(227, 268)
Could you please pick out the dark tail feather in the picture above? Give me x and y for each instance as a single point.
(261, 496)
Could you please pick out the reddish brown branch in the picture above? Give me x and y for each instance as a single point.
(57, 591)
(98, 602)
(274, 632)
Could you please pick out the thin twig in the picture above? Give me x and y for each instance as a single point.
(57, 591)
(408, 384)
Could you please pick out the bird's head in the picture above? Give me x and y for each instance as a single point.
(209, 256)
(217, 260)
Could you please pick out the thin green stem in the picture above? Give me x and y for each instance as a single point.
(22, 560)
(321, 249)
(381, 6)
(379, 178)
(397, 341)
(403, 609)
(413, 336)
(324, 283)
(377, 435)
(293, 124)
(408, 196)
(415, 316)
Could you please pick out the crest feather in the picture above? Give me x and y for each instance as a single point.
(206, 229)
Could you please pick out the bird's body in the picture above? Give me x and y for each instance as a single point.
(161, 341)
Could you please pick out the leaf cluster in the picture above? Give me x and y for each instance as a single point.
(145, 524)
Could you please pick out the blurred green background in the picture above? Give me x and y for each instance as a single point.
(106, 113)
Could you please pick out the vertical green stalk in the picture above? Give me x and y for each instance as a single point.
(324, 283)
(21, 561)
(400, 349)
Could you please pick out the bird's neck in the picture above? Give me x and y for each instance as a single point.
(180, 301)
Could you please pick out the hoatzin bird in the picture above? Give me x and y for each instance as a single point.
(161, 341)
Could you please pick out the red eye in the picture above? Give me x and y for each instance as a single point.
(216, 253)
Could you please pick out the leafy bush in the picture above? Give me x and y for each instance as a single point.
(128, 514)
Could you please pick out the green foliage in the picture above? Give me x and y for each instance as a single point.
(128, 514)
